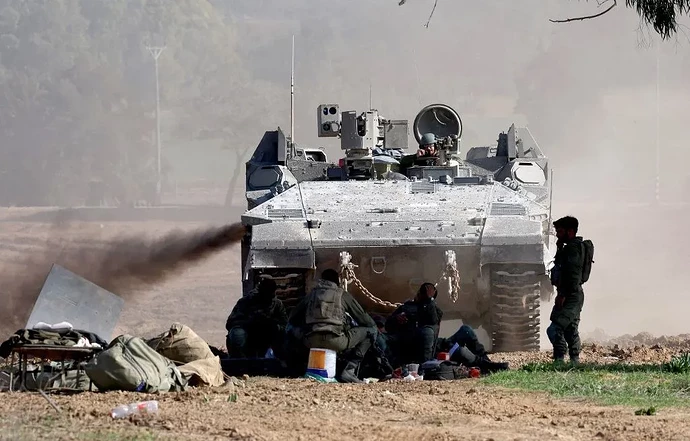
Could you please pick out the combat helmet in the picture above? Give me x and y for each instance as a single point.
(427, 138)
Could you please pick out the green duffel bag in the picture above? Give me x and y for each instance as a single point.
(130, 364)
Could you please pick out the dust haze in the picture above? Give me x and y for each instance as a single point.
(606, 100)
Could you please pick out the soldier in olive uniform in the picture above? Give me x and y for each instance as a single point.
(566, 276)
(426, 155)
(413, 327)
(470, 351)
(333, 319)
(256, 323)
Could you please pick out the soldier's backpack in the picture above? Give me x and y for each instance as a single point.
(129, 364)
(181, 344)
(443, 370)
(588, 259)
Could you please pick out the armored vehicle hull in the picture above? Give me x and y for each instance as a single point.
(482, 241)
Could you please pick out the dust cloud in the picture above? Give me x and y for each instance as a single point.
(121, 265)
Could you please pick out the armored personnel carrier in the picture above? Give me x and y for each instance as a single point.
(476, 226)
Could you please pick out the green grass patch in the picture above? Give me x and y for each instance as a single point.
(646, 386)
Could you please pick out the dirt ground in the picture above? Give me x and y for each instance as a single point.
(269, 409)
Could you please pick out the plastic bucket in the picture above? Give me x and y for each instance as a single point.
(321, 362)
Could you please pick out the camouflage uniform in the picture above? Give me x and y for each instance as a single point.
(414, 341)
(565, 316)
(470, 347)
(255, 325)
(471, 352)
(326, 325)
(408, 161)
(426, 160)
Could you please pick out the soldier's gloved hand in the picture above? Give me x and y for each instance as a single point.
(421, 152)
(401, 318)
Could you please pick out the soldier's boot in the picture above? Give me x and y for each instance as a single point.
(574, 360)
(558, 357)
(483, 362)
(349, 374)
(487, 366)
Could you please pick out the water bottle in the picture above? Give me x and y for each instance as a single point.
(134, 408)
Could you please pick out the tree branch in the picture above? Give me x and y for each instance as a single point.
(431, 15)
(587, 17)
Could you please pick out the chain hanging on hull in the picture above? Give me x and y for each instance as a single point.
(347, 275)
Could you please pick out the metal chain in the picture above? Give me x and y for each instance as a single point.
(349, 273)
(450, 272)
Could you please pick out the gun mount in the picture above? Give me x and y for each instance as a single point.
(477, 225)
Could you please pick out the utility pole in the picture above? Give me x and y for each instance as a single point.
(155, 53)
(292, 93)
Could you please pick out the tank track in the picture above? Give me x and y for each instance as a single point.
(515, 300)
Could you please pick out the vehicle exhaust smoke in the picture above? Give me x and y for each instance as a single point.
(122, 265)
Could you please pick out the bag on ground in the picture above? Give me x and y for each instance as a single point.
(443, 370)
(181, 344)
(130, 364)
(204, 372)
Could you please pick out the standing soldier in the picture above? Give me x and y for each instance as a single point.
(567, 277)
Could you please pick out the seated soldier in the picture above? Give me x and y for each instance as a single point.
(324, 314)
(470, 351)
(257, 323)
(413, 327)
(382, 336)
(376, 362)
(295, 351)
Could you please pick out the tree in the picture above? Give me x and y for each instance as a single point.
(662, 15)
(77, 98)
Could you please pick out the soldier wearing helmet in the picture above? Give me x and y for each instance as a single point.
(427, 154)
(427, 146)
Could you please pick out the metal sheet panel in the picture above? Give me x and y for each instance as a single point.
(284, 213)
(67, 297)
(282, 259)
(396, 134)
(513, 254)
(504, 230)
(503, 209)
(395, 233)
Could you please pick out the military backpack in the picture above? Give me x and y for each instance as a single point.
(443, 370)
(588, 259)
(130, 364)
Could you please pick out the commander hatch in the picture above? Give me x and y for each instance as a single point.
(445, 165)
